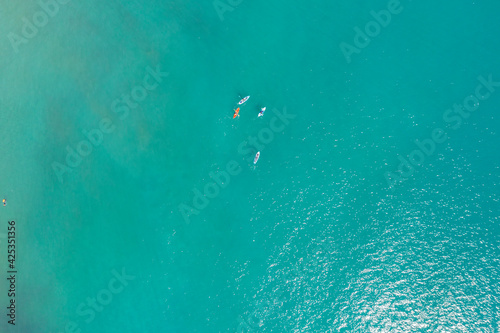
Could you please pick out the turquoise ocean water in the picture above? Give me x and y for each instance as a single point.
(311, 239)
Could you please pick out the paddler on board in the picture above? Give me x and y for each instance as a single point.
(236, 113)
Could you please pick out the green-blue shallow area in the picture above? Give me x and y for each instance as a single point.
(374, 206)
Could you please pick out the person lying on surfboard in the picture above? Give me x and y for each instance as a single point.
(243, 100)
(256, 158)
(261, 113)
(236, 113)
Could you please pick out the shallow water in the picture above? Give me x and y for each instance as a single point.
(311, 239)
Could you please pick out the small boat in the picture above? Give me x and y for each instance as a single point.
(4, 202)
(261, 113)
(236, 113)
(243, 100)
(256, 158)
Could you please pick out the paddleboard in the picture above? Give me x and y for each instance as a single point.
(261, 113)
(243, 100)
(256, 158)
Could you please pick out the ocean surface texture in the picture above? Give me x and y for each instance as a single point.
(374, 206)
